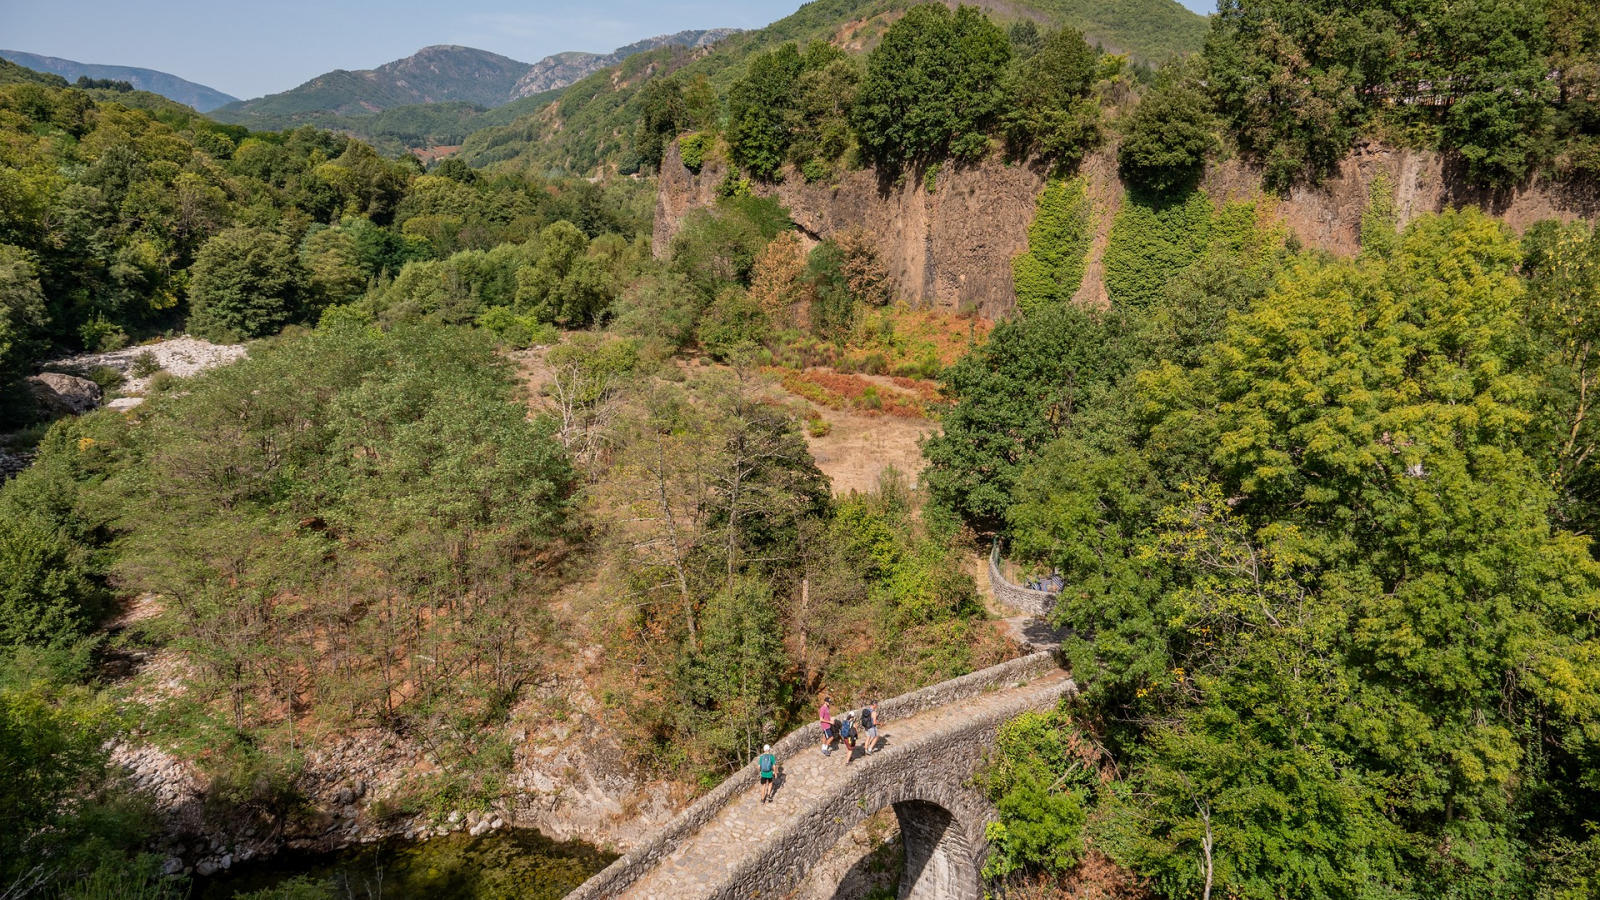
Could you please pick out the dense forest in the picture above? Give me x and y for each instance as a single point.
(1325, 525)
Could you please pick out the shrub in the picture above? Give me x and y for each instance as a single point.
(246, 778)
(107, 377)
(101, 335)
(695, 149)
(160, 382)
(145, 365)
(48, 592)
(734, 319)
(141, 880)
(517, 331)
(301, 887)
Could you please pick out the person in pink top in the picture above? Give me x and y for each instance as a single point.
(826, 721)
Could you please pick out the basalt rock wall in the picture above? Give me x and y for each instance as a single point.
(951, 248)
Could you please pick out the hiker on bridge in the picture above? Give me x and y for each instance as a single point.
(769, 772)
(869, 726)
(847, 732)
(826, 721)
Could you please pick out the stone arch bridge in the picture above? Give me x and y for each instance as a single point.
(730, 846)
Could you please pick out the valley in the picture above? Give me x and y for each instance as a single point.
(447, 478)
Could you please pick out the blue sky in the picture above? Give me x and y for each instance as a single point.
(252, 48)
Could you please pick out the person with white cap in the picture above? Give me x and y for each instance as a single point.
(769, 770)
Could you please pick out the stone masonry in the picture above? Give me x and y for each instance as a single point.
(1024, 600)
(730, 846)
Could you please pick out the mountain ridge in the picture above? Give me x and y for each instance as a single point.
(193, 94)
(445, 73)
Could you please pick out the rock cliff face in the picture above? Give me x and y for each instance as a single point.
(951, 248)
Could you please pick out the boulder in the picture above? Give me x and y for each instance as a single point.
(64, 395)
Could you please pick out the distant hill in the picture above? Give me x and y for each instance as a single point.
(589, 124)
(440, 74)
(563, 69)
(433, 75)
(172, 87)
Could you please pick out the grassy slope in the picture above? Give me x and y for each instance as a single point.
(591, 123)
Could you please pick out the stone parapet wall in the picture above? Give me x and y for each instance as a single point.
(934, 774)
(616, 877)
(1025, 600)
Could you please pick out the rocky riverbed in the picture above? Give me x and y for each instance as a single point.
(181, 357)
(63, 388)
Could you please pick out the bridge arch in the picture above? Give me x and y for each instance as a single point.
(941, 863)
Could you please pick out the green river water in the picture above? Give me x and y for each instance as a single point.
(514, 863)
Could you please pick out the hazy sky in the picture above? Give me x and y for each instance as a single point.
(252, 48)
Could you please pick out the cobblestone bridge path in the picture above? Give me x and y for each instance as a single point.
(735, 846)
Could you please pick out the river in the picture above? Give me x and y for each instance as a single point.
(513, 864)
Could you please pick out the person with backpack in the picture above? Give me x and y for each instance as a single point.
(768, 763)
(847, 732)
(869, 726)
(826, 721)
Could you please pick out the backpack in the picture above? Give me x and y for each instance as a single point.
(847, 729)
(866, 718)
(767, 762)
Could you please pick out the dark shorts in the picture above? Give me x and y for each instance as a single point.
(766, 777)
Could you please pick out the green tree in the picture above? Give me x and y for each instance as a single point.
(566, 284)
(51, 751)
(22, 313)
(247, 282)
(1562, 263)
(933, 86)
(663, 113)
(732, 682)
(334, 273)
(1317, 566)
(758, 111)
(1048, 105)
(1028, 385)
(1167, 136)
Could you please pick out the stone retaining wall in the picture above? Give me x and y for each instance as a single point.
(1024, 600)
(616, 877)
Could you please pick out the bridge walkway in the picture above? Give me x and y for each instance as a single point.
(746, 830)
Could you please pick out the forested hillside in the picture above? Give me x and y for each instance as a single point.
(440, 74)
(172, 87)
(619, 120)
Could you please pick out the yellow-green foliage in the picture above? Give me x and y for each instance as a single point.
(1151, 241)
(1058, 246)
(695, 149)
